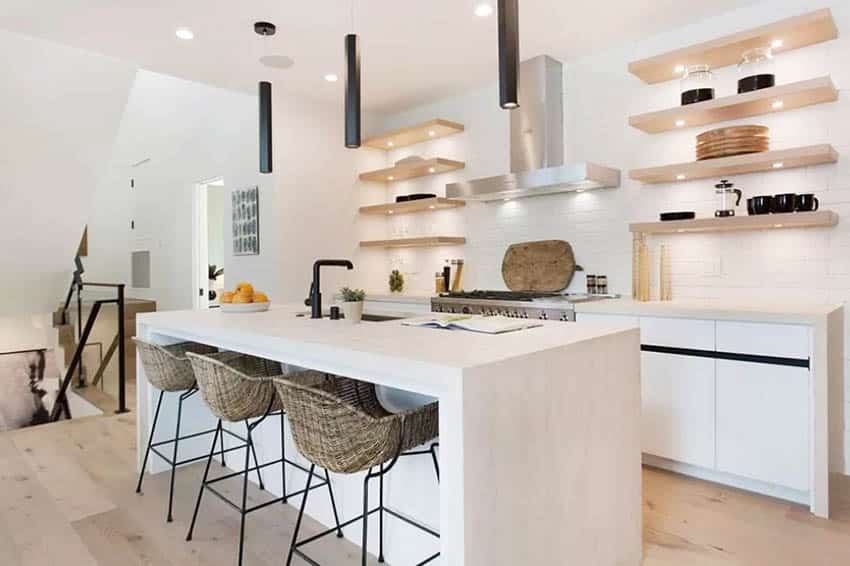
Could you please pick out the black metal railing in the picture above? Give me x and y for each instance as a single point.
(84, 332)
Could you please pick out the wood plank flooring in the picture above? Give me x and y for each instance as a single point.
(67, 497)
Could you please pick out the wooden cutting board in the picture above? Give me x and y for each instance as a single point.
(547, 265)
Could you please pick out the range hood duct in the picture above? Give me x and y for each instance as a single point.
(537, 144)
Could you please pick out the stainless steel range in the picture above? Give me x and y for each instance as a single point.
(515, 304)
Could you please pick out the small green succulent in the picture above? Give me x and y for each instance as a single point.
(352, 295)
(396, 281)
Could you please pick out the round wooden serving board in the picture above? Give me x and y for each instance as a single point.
(547, 265)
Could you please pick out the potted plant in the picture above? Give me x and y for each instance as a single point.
(352, 304)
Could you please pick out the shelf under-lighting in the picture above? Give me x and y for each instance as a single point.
(425, 241)
(765, 101)
(412, 170)
(784, 35)
(819, 219)
(412, 206)
(738, 165)
(418, 133)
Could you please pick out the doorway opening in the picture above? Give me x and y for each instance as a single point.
(209, 233)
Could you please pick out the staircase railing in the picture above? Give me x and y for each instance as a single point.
(84, 332)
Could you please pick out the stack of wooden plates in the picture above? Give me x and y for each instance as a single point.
(737, 140)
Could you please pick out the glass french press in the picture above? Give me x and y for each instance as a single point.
(726, 189)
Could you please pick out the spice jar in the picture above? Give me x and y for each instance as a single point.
(439, 282)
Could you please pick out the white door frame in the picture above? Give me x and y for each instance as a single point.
(200, 245)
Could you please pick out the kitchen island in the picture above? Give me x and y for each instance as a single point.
(539, 429)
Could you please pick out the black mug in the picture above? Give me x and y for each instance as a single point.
(750, 210)
(762, 205)
(783, 203)
(806, 203)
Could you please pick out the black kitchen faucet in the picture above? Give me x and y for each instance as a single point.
(315, 289)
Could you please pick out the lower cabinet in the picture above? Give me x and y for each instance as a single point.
(678, 408)
(763, 422)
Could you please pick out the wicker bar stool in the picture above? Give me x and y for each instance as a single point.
(168, 369)
(237, 387)
(340, 426)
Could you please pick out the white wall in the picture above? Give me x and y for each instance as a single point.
(216, 225)
(190, 133)
(600, 94)
(59, 113)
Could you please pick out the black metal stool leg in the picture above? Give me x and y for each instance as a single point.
(381, 516)
(300, 515)
(204, 481)
(248, 450)
(183, 397)
(283, 454)
(333, 504)
(254, 452)
(150, 441)
(221, 438)
(365, 541)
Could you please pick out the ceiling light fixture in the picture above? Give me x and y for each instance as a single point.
(508, 54)
(778, 104)
(184, 33)
(679, 69)
(681, 177)
(431, 133)
(331, 78)
(432, 170)
(483, 9)
(390, 143)
(777, 43)
(680, 123)
(265, 29)
(352, 87)
(778, 165)
(390, 178)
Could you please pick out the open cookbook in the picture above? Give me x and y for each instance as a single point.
(473, 323)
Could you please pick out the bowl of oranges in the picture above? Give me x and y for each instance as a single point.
(244, 299)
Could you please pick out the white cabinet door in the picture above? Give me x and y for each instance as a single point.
(678, 408)
(763, 422)
(677, 333)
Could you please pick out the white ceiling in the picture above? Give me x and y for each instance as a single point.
(413, 51)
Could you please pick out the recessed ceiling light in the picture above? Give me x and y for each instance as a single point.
(579, 190)
(681, 177)
(277, 61)
(184, 33)
(777, 43)
(679, 69)
(778, 104)
(431, 133)
(432, 170)
(506, 199)
(483, 9)
(778, 165)
(331, 78)
(432, 207)
(390, 143)
(391, 212)
(680, 123)
(778, 225)
(390, 178)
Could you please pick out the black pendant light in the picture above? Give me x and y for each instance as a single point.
(352, 91)
(265, 127)
(265, 29)
(508, 54)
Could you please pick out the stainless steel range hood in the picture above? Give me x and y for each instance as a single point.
(537, 145)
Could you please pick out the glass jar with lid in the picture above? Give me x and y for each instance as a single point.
(697, 84)
(756, 70)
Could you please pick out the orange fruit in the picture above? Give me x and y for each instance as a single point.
(245, 287)
(240, 298)
(260, 297)
(226, 297)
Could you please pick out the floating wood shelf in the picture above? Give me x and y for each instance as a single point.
(412, 170)
(820, 219)
(413, 206)
(425, 241)
(403, 137)
(738, 165)
(796, 32)
(765, 101)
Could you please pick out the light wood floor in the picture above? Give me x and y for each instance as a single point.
(67, 498)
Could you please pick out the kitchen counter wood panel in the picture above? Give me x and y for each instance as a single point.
(539, 429)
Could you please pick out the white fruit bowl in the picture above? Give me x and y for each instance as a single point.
(245, 307)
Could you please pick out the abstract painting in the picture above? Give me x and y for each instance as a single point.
(246, 221)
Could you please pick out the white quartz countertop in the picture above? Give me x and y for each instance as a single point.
(298, 338)
(789, 312)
